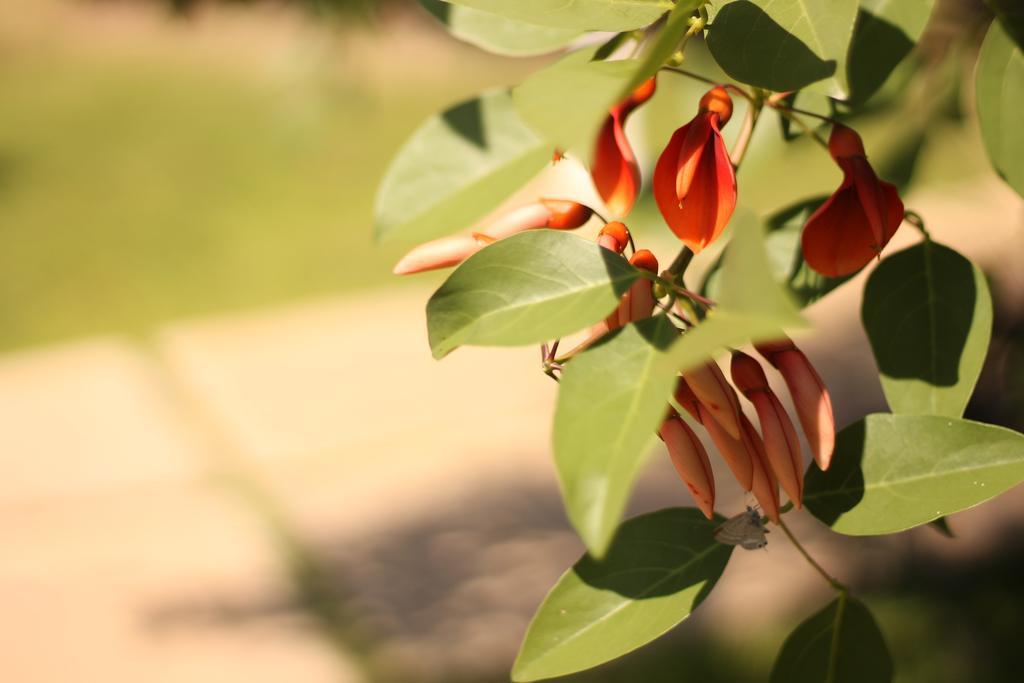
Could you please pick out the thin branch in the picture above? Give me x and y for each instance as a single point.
(739, 149)
(788, 112)
(832, 581)
(914, 218)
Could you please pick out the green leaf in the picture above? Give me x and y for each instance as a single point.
(661, 566)
(567, 102)
(746, 282)
(886, 32)
(999, 92)
(840, 644)
(611, 401)
(457, 167)
(784, 44)
(1010, 14)
(928, 314)
(664, 45)
(785, 257)
(585, 15)
(894, 472)
(524, 289)
(498, 34)
(751, 305)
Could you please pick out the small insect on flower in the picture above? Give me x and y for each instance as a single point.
(745, 530)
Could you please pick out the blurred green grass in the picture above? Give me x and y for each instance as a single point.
(138, 191)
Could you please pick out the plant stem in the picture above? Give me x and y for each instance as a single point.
(788, 112)
(739, 149)
(914, 218)
(680, 263)
(704, 79)
(832, 581)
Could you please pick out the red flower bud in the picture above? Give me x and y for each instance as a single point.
(691, 462)
(694, 182)
(781, 445)
(810, 397)
(615, 170)
(565, 214)
(614, 236)
(638, 301)
(858, 220)
(715, 393)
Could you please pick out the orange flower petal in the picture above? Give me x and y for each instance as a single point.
(706, 175)
(837, 239)
(614, 169)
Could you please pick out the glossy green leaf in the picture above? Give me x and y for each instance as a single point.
(584, 15)
(664, 45)
(840, 644)
(784, 44)
(894, 472)
(534, 286)
(928, 314)
(661, 566)
(456, 168)
(886, 32)
(498, 34)
(1010, 14)
(567, 102)
(611, 401)
(999, 92)
(785, 257)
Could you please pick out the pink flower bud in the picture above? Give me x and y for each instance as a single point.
(712, 389)
(765, 486)
(441, 253)
(691, 462)
(781, 445)
(735, 452)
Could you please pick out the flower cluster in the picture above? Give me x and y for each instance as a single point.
(694, 187)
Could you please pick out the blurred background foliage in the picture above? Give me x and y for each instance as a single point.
(148, 176)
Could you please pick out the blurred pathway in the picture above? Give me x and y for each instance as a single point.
(167, 511)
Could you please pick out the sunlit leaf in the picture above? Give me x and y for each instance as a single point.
(585, 15)
(784, 44)
(840, 644)
(1010, 14)
(660, 567)
(611, 401)
(785, 257)
(664, 45)
(499, 34)
(928, 314)
(894, 472)
(456, 168)
(999, 92)
(567, 102)
(530, 287)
